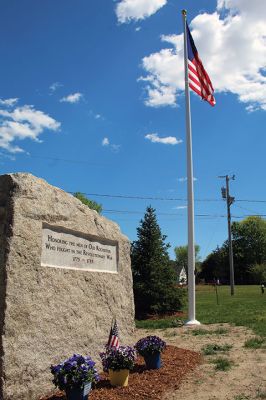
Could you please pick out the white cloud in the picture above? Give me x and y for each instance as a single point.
(72, 98)
(179, 207)
(232, 45)
(128, 10)
(184, 179)
(154, 138)
(105, 142)
(138, 28)
(54, 86)
(96, 115)
(23, 123)
(114, 147)
(8, 102)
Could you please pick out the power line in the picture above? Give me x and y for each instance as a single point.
(247, 209)
(211, 238)
(65, 160)
(162, 213)
(120, 196)
(252, 201)
(181, 215)
(248, 215)
(131, 197)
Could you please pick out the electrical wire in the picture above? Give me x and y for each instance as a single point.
(247, 209)
(66, 160)
(133, 197)
(120, 196)
(180, 215)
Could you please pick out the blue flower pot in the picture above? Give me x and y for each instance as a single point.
(153, 361)
(78, 393)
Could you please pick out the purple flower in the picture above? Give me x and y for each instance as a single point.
(150, 345)
(74, 372)
(123, 357)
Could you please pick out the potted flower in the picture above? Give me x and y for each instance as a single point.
(118, 362)
(150, 348)
(75, 376)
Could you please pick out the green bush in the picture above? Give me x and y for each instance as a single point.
(90, 203)
(154, 279)
(258, 273)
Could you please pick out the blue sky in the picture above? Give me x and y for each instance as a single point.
(92, 100)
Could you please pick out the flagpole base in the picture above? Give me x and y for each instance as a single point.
(192, 322)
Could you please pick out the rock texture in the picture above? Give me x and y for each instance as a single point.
(47, 314)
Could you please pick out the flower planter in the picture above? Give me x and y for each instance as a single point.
(77, 370)
(119, 378)
(153, 361)
(150, 347)
(78, 393)
(118, 362)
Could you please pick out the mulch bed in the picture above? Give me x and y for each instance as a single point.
(144, 384)
(178, 314)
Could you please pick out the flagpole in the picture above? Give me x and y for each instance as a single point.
(190, 193)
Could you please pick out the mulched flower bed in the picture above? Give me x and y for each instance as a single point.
(143, 384)
(178, 314)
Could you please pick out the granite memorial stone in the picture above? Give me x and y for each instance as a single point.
(64, 273)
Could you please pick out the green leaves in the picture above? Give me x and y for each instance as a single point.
(153, 276)
(249, 249)
(181, 253)
(90, 203)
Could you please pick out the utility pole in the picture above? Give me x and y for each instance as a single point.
(229, 200)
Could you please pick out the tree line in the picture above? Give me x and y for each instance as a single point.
(249, 254)
(155, 276)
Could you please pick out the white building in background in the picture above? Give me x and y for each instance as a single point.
(182, 280)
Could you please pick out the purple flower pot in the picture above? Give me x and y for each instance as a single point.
(78, 393)
(153, 361)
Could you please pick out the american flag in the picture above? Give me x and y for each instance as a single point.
(113, 340)
(199, 80)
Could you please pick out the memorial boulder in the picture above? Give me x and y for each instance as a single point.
(64, 273)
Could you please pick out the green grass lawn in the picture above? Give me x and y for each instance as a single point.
(246, 308)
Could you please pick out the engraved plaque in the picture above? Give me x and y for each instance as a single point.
(65, 248)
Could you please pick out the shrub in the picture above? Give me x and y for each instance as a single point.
(90, 203)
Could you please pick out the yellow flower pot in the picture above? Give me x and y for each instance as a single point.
(119, 378)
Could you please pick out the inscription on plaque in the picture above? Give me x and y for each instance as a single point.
(64, 248)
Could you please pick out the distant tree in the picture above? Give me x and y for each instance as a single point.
(216, 266)
(176, 268)
(249, 246)
(90, 203)
(154, 280)
(258, 273)
(181, 253)
(249, 250)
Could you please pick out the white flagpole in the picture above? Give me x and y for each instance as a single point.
(190, 194)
